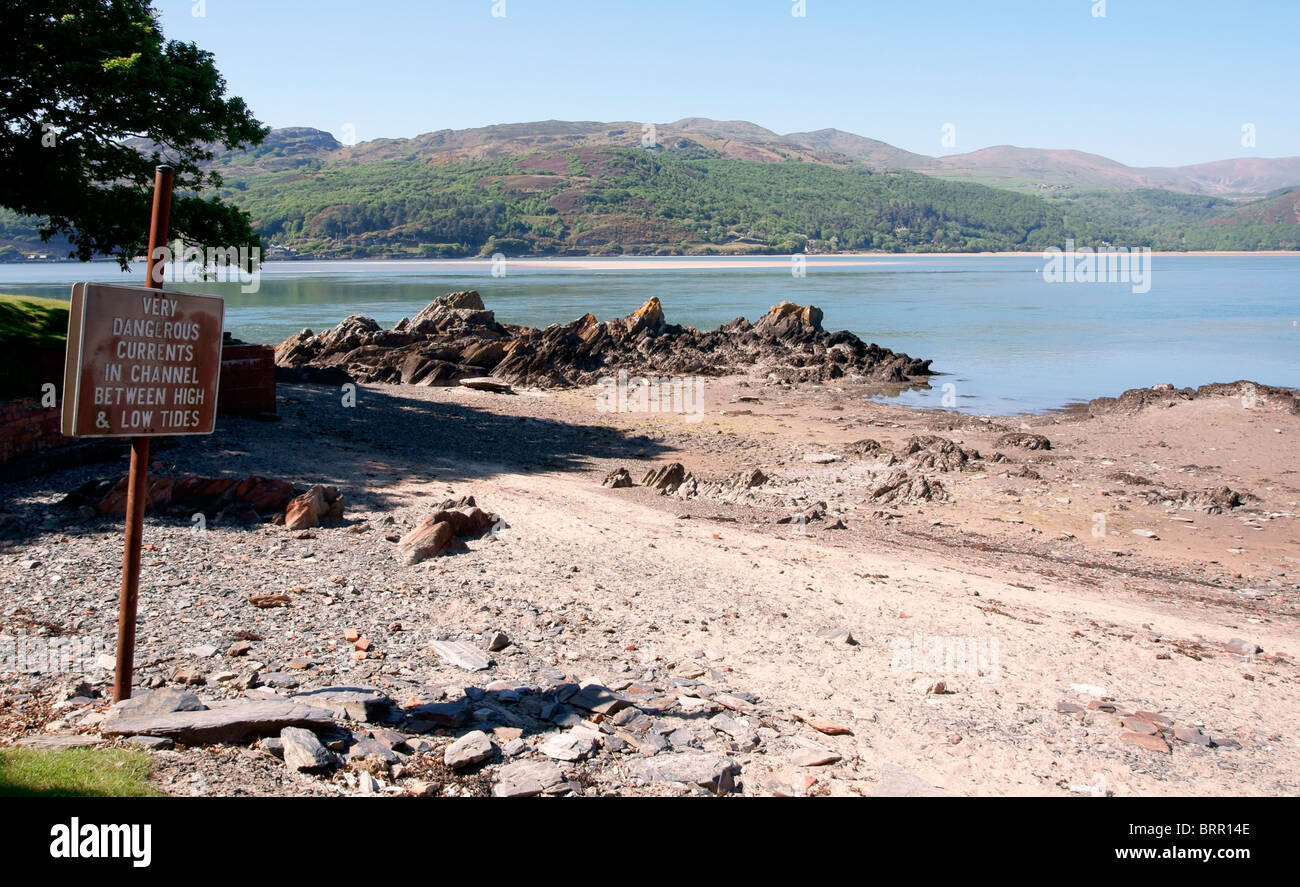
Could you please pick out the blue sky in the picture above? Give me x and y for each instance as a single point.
(1152, 83)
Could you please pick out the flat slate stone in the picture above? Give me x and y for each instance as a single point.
(717, 773)
(895, 782)
(742, 733)
(159, 702)
(462, 655)
(362, 746)
(1142, 740)
(155, 742)
(487, 383)
(594, 697)
(472, 748)
(232, 723)
(358, 703)
(813, 756)
(431, 715)
(571, 746)
(524, 779)
(1192, 735)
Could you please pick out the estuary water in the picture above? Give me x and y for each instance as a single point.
(1005, 339)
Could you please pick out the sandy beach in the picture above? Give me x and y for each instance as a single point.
(1122, 638)
(713, 263)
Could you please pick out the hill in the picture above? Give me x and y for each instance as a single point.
(706, 186)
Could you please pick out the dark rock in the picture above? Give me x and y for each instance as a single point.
(303, 751)
(159, 702)
(617, 479)
(666, 479)
(903, 486)
(454, 338)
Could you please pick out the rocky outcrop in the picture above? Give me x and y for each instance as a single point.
(1211, 501)
(231, 499)
(1252, 394)
(938, 453)
(319, 505)
(903, 486)
(674, 480)
(1023, 440)
(455, 337)
(437, 532)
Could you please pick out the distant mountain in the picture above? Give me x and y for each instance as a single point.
(1000, 166)
(1243, 175)
(1006, 165)
(862, 149)
(698, 185)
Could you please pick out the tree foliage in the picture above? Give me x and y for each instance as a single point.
(92, 98)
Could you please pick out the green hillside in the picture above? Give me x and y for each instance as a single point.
(470, 193)
(626, 200)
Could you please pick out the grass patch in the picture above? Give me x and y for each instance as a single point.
(28, 320)
(75, 772)
(33, 336)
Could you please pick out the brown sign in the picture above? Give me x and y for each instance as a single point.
(141, 362)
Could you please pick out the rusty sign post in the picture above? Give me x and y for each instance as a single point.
(137, 490)
(140, 363)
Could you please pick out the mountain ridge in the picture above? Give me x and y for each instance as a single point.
(998, 165)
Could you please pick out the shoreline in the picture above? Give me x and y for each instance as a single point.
(580, 262)
(725, 588)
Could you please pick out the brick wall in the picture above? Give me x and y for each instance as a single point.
(247, 380)
(27, 429)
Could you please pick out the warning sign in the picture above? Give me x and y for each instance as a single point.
(141, 362)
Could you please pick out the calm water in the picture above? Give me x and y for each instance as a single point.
(1007, 340)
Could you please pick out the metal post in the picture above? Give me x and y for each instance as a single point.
(137, 491)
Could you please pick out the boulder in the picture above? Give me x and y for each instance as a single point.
(487, 383)
(319, 505)
(303, 751)
(433, 534)
(617, 479)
